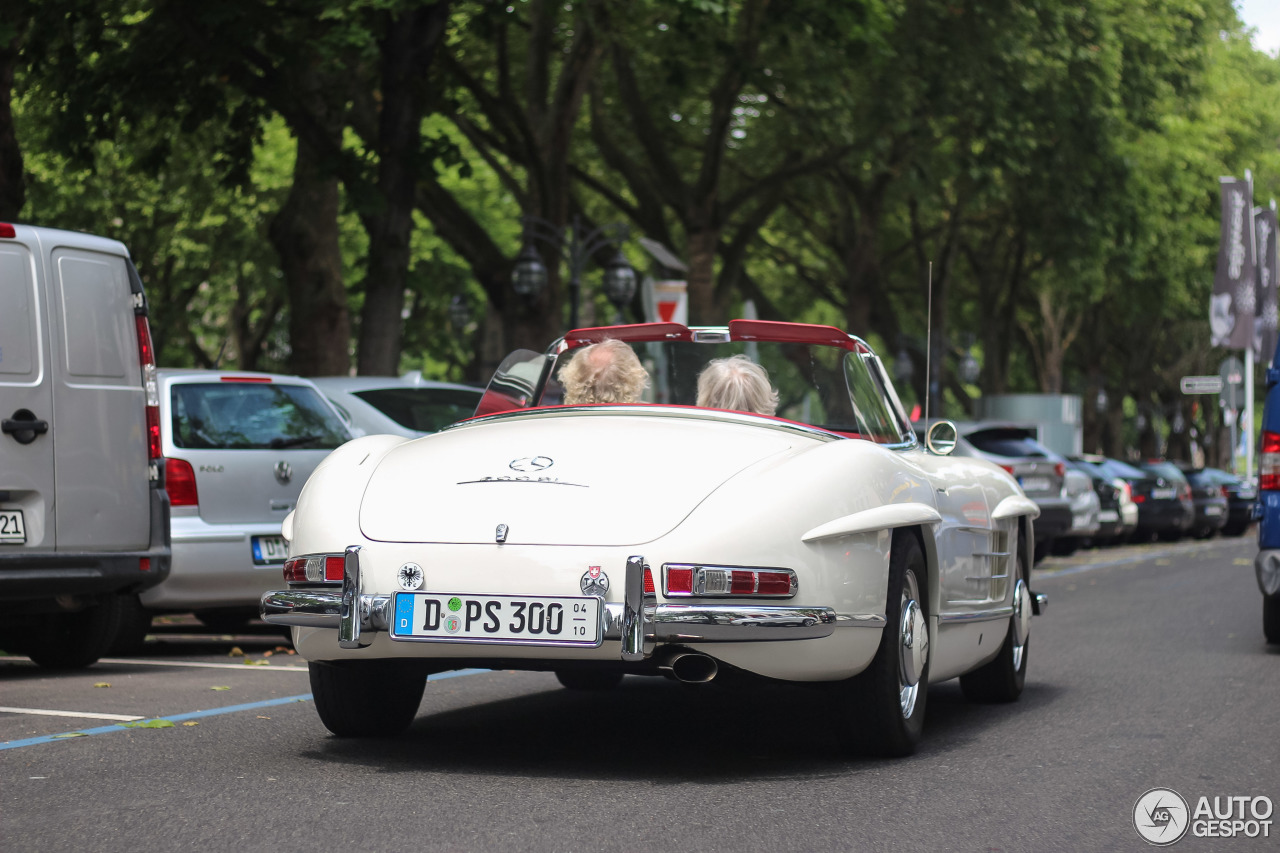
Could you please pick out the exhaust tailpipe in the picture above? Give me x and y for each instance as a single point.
(689, 667)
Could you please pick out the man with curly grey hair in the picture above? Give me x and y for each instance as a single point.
(736, 383)
(607, 372)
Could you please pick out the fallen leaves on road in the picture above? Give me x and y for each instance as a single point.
(102, 684)
(220, 687)
(192, 723)
(252, 662)
(71, 734)
(236, 652)
(148, 724)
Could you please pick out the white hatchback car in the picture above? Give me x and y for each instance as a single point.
(237, 448)
(407, 405)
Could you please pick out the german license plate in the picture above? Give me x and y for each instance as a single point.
(12, 530)
(1108, 515)
(1034, 484)
(1213, 510)
(269, 550)
(1163, 494)
(520, 619)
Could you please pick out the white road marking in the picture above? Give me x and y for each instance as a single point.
(204, 665)
(196, 664)
(47, 713)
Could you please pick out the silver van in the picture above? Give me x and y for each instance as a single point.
(84, 518)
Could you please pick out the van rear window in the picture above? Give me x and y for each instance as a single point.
(252, 416)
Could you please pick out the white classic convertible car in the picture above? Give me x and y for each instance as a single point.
(824, 545)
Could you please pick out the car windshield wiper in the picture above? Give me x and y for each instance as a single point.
(278, 443)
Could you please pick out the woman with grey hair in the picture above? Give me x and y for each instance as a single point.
(607, 372)
(736, 383)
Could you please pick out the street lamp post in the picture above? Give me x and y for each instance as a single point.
(575, 248)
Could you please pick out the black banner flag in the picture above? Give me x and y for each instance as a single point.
(1234, 302)
(1264, 224)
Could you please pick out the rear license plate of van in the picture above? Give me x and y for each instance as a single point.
(269, 550)
(12, 530)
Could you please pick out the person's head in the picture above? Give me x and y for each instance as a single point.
(607, 372)
(736, 383)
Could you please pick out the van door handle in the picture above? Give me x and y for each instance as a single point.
(24, 426)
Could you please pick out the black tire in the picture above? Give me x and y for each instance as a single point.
(76, 640)
(1271, 618)
(588, 680)
(377, 698)
(1002, 679)
(226, 620)
(135, 624)
(886, 715)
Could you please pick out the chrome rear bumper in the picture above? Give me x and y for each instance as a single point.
(671, 623)
(638, 621)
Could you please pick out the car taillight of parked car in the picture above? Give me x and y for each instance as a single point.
(1269, 464)
(180, 483)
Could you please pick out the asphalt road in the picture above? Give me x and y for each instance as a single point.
(1149, 671)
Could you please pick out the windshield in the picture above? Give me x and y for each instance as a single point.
(1008, 442)
(825, 386)
(423, 409)
(252, 416)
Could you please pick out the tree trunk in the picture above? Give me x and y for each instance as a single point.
(704, 308)
(305, 234)
(408, 46)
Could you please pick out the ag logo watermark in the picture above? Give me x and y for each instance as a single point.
(1161, 816)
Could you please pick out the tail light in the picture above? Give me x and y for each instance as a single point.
(180, 483)
(315, 568)
(1060, 469)
(1225, 492)
(648, 581)
(690, 580)
(1186, 493)
(1008, 469)
(1269, 464)
(1139, 499)
(150, 385)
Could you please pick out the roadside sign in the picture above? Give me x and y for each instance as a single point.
(1202, 385)
(1231, 372)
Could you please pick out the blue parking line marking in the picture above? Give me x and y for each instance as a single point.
(455, 673)
(175, 718)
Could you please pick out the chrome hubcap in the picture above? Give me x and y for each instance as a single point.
(913, 638)
(1021, 621)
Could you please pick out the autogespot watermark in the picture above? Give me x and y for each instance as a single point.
(1162, 817)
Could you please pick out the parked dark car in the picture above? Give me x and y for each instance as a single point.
(1241, 499)
(1165, 506)
(1039, 471)
(1118, 514)
(1210, 498)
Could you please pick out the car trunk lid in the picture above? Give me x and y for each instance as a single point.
(585, 478)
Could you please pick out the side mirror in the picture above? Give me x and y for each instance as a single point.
(941, 438)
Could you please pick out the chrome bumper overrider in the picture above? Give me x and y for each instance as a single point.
(639, 622)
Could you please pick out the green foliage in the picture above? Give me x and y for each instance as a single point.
(1055, 163)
